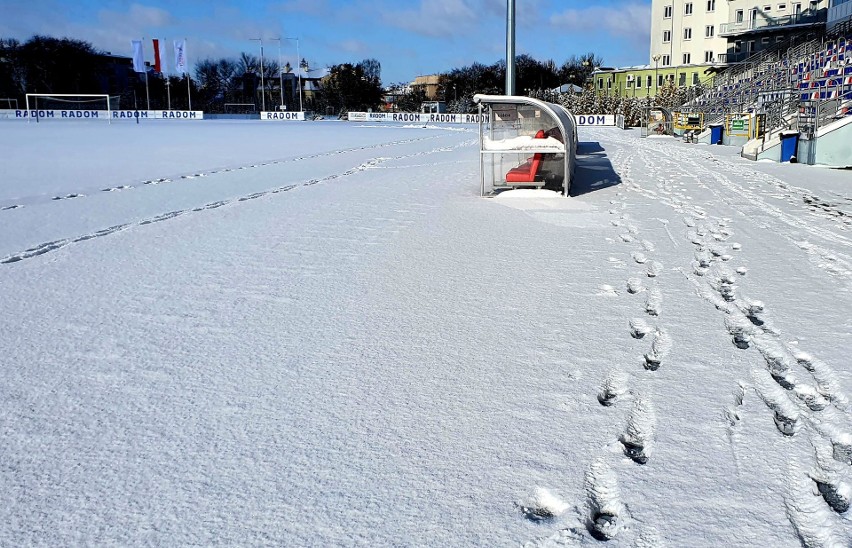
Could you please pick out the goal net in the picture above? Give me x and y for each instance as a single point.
(96, 106)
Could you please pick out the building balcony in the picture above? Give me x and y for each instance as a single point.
(763, 23)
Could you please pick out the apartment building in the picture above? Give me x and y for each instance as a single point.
(686, 32)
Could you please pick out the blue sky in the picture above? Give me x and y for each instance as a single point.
(408, 37)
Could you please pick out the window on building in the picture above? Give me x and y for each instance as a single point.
(694, 78)
(686, 58)
(667, 60)
(609, 83)
(600, 83)
(667, 12)
(779, 39)
(648, 81)
(687, 33)
(708, 56)
(687, 8)
(709, 31)
(711, 5)
(738, 46)
(782, 7)
(667, 36)
(739, 16)
(797, 8)
(660, 81)
(681, 80)
(767, 8)
(764, 40)
(751, 46)
(629, 83)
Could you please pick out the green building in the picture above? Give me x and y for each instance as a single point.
(647, 81)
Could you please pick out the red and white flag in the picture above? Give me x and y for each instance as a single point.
(160, 56)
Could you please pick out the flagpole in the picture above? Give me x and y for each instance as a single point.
(147, 94)
(161, 49)
(188, 88)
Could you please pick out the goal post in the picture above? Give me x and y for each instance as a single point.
(75, 103)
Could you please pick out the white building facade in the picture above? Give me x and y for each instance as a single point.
(685, 32)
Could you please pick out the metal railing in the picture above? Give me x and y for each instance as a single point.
(764, 22)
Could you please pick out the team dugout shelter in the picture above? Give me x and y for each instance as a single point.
(525, 143)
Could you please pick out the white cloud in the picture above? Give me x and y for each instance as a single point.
(629, 21)
(308, 7)
(353, 46)
(137, 16)
(435, 18)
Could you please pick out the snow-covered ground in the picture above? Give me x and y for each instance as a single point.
(319, 334)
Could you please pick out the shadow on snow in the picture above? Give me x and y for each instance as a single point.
(594, 171)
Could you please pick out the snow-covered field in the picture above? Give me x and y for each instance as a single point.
(319, 334)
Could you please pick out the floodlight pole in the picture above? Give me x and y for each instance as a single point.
(262, 91)
(299, 65)
(656, 59)
(510, 47)
(280, 74)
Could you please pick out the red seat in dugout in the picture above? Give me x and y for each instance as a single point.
(526, 172)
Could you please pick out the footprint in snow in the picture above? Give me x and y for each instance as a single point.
(607, 291)
(614, 387)
(639, 432)
(829, 476)
(660, 348)
(639, 328)
(625, 237)
(809, 517)
(654, 302)
(639, 257)
(785, 413)
(634, 285)
(604, 501)
(542, 504)
(654, 269)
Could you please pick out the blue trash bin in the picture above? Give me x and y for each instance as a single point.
(716, 134)
(789, 144)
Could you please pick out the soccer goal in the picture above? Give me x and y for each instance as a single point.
(65, 105)
(7, 102)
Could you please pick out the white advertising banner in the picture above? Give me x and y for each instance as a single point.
(595, 119)
(282, 115)
(77, 114)
(416, 117)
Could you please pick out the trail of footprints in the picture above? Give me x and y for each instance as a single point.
(200, 174)
(47, 247)
(800, 391)
(603, 514)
